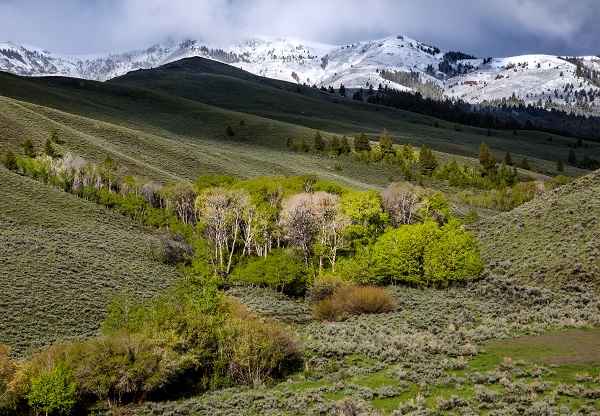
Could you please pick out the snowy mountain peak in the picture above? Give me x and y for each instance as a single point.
(397, 62)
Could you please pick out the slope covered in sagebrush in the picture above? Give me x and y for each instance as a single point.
(554, 239)
(62, 259)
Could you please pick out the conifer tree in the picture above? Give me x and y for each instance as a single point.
(427, 160)
(586, 161)
(486, 160)
(560, 167)
(304, 146)
(334, 145)
(361, 143)
(49, 149)
(345, 146)
(508, 159)
(319, 144)
(572, 158)
(28, 149)
(10, 161)
(386, 145)
(525, 163)
(54, 137)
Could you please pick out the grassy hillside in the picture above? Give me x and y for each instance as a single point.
(194, 107)
(62, 259)
(219, 85)
(157, 152)
(551, 240)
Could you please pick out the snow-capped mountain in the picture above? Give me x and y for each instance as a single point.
(397, 62)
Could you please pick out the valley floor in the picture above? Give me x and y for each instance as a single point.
(492, 347)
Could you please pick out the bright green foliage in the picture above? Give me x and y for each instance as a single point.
(49, 149)
(361, 143)
(53, 391)
(359, 269)
(28, 149)
(345, 146)
(209, 181)
(427, 254)
(437, 209)
(330, 187)
(319, 143)
(486, 160)
(365, 209)
(10, 161)
(386, 144)
(452, 256)
(282, 269)
(125, 312)
(399, 253)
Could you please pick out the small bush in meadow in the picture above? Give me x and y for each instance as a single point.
(354, 300)
(357, 300)
(255, 350)
(323, 287)
(325, 310)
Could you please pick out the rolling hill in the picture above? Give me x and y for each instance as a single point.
(552, 240)
(181, 130)
(168, 124)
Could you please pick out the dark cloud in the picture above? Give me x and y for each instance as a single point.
(479, 27)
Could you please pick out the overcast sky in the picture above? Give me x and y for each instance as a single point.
(479, 27)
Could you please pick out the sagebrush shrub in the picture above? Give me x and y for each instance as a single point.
(358, 300)
(354, 300)
(323, 287)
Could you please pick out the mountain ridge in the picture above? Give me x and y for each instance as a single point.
(396, 62)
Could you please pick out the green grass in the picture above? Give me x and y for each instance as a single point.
(566, 353)
(62, 259)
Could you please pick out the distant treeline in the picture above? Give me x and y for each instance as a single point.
(503, 117)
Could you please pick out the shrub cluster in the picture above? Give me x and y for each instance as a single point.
(421, 254)
(188, 339)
